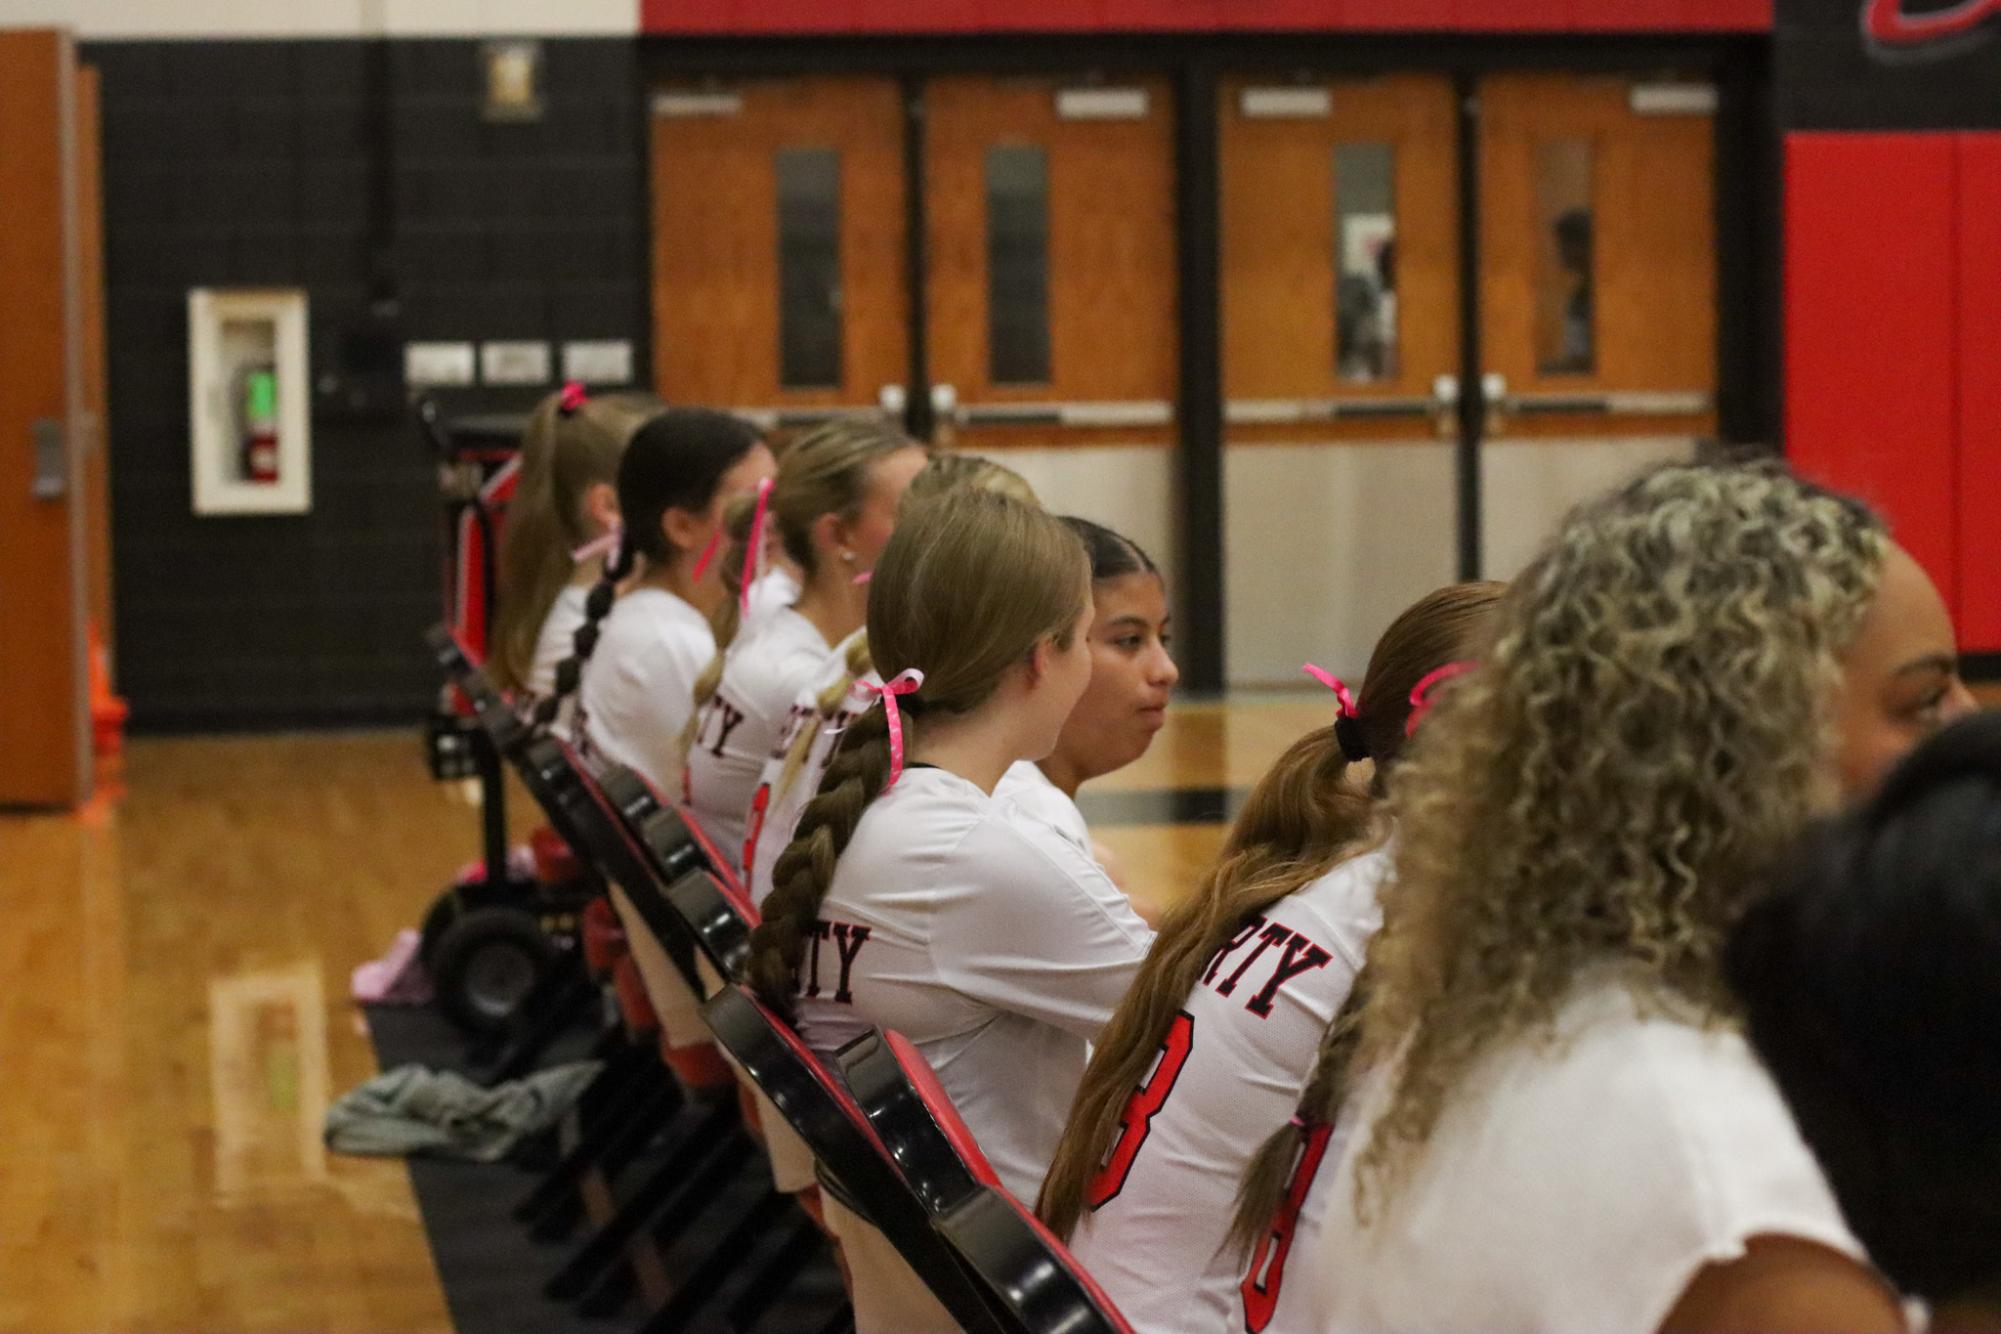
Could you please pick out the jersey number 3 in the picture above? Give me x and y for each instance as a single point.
(1267, 1272)
(1144, 1105)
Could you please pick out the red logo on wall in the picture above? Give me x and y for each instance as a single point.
(1893, 30)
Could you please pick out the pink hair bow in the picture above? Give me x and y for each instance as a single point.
(599, 546)
(708, 556)
(574, 397)
(1338, 686)
(1420, 694)
(905, 682)
(753, 562)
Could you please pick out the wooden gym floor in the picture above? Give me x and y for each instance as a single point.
(176, 1017)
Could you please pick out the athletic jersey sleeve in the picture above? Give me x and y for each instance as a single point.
(1046, 935)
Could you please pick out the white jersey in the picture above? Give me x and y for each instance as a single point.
(1025, 785)
(776, 805)
(1231, 1072)
(775, 591)
(746, 721)
(639, 685)
(993, 945)
(557, 638)
(1571, 1185)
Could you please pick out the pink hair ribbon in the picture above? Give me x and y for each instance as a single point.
(861, 580)
(1338, 686)
(599, 546)
(753, 556)
(708, 556)
(1420, 694)
(573, 398)
(905, 682)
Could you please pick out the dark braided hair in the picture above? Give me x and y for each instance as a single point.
(964, 591)
(675, 461)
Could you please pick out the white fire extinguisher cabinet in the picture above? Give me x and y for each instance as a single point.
(248, 421)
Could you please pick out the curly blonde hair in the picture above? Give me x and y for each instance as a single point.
(1652, 725)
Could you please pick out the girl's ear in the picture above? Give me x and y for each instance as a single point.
(829, 536)
(684, 530)
(1039, 659)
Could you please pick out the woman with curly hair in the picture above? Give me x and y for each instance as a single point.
(1554, 1122)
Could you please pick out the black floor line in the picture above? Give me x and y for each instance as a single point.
(1178, 805)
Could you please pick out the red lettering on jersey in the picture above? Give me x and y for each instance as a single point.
(1270, 936)
(1136, 1122)
(759, 804)
(849, 941)
(1230, 947)
(1261, 1284)
(1301, 956)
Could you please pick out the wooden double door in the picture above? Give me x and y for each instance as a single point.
(1402, 453)
(788, 282)
(990, 261)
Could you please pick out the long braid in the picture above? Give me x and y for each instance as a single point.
(727, 619)
(597, 605)
(1266, 1180)
(855, 777)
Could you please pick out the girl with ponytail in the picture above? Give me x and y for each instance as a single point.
(909, 897)
(566, 499)
(644, 649)
(1132, 675)
(830, 701)
(1228, 1010)
(831, 508)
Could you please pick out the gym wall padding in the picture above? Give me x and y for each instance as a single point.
(1871, 343)
(1893, 343)
(252, 162)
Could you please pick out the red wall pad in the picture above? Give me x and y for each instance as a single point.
(1870, 337)
(751, 18)
(1979, 464)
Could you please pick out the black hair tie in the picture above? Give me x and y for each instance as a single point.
(1353, 741)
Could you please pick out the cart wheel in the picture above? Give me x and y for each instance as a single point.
(489, 962)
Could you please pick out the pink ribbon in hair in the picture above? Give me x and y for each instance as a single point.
(861, 580)
(599, 546)
(1337, 685)
(574, 397)
(753, 563)
(708, 556)
(905, 682)
(1420, 694)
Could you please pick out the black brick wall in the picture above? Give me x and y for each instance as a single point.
(232, 163)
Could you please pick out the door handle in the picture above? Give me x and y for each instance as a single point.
(1445, 405)
(1494, 396)
(894, 400)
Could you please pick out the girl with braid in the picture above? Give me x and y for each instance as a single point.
(829, 701)
(909, 897)
(1549, 1119)
(1211, 1048)
(832, 506)
(638, 668)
